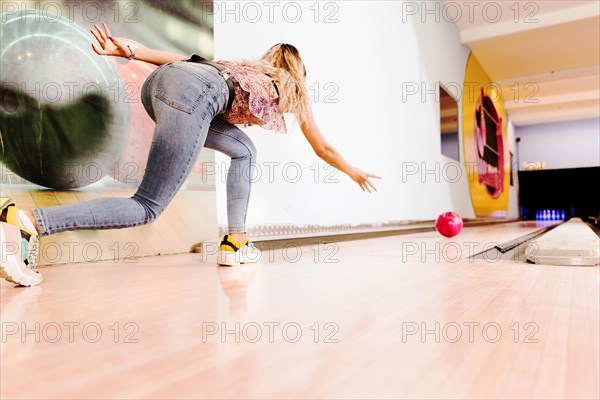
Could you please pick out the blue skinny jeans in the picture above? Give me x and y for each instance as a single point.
(184, 99)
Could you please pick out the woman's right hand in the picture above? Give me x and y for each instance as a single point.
(362, 178)
(110, 46)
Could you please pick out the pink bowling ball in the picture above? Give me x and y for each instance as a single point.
(449, 224)
(132, 165)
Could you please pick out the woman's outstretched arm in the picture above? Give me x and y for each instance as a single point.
(113, 47)
(330, 155)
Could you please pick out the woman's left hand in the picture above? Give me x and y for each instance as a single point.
(109, 45)
(362, 178)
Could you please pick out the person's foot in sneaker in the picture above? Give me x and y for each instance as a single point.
(233, 252)
(19, 247)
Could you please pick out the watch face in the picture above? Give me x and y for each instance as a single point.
(489, 146)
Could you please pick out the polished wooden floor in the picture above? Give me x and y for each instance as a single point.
(397, 317)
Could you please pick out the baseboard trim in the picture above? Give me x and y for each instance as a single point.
(282, 235)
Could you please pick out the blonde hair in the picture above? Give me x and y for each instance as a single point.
(283, 64)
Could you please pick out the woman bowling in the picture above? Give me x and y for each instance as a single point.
(195, 104)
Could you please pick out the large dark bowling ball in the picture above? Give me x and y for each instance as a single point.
(63, 111)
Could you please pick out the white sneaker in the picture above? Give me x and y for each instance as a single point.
(235, 253)
(19, 248)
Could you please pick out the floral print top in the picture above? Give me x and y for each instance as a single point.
(256, 98)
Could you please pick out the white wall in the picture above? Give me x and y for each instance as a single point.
(369, 53)
(571, 144)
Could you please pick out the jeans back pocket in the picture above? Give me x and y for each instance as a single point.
(181, 88)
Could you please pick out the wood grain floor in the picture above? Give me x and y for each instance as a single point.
(372, 318)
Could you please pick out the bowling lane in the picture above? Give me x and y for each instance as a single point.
(371, 324)
(471, 241)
